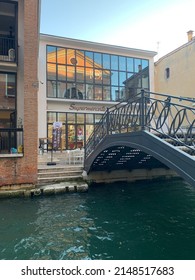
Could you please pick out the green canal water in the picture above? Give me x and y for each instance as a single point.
(121, 221)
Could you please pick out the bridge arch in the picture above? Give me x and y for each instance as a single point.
(169, 156)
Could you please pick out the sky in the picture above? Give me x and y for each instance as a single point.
(154, 25)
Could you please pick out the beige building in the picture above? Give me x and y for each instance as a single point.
(174, 72)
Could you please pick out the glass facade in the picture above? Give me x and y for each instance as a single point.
(76, 127)
(88, 75)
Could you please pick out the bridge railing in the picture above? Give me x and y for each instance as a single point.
(168, 116)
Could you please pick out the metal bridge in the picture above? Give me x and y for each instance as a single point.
(150, 131)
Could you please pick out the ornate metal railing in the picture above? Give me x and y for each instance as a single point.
(167, 116)
(11, 140)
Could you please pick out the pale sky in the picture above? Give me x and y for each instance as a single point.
(155, 25)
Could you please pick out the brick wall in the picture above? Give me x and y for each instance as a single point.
(24, 170)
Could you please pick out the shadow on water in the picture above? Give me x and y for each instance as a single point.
(144, 220)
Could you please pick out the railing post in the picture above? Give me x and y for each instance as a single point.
(107, 121)
(142, 111)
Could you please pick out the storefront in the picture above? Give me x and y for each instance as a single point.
(81, 80)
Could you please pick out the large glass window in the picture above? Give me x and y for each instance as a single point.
(76, 127)
(80, 74)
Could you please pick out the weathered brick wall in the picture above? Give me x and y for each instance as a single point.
(24, 170)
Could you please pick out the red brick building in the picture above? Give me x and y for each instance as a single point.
(19, 43)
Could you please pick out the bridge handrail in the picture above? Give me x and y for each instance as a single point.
(148, 111)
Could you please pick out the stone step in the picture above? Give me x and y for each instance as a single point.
(54, 179)
(67, 173)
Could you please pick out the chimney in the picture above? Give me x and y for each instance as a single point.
(190, 35)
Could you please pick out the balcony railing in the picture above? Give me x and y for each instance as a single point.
(7, 49)
(11, 141)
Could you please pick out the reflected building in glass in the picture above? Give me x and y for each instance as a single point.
(80, 79)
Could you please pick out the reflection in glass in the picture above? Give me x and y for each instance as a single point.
(80, 74)
(130, 67)
(61, 55)
(80, 118)
(106, 93)
(115, 93)
(98, 76)
(89, 92)
(71, 118)
(122, 78)
(89, 75)
(114, 78)
(122, 63)
(138, 65)
(89, 59)
(97, 60)
(70, 73)
(61, 89)
(62, 72)
(51, 54)
(80, 58)
(106, 77)
(98, 93)
(51, 71)
(114, 62)
(106, 61)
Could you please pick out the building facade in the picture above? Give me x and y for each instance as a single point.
(19, 43)
(174, 72)
(80, 79)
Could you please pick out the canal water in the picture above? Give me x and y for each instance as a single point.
(121, 221)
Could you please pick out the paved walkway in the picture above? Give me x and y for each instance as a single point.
(62, 159)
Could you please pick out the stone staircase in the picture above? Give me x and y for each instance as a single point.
(61, 171)
(48, 175)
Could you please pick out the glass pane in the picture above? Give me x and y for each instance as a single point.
(70, 73)
(61, 72)
(80, 72)
(71, 58)
(51, 71)
(106, 93)
(89, 91)
(61, 56)
(138, 65)
(89, 59)
(106, 61)
(71, 117)
(122, 63)
(61, 89)
(106, 77)
(122, 78)
(71, 137)
(51, 89)
(129, 64)
(97, 60)
(98, 93)
(98, 76)
(98, 118)
(79, 138)
(122, 95)
(114, 78)
(115, 93)
(89, 75)
(62, 117)
(81, 91)
(63, 137)
(89, 130)
(89, 118)
(145, 82)
(80, 58)
(51, 54)
(80, 118)
(51, 117)
(114, 62)
(145, 63)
